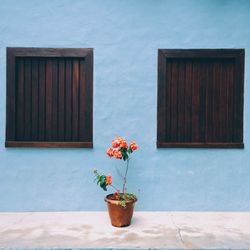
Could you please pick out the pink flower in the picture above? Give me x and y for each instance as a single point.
(108, 179)
(133, 145)
(117, 154)
(110, 152)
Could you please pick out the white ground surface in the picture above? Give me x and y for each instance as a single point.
(179, 230)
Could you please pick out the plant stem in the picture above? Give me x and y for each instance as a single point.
(116, 189)
(125, 177)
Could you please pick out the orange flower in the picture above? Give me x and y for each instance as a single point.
(123, 144)
(119, 142)
(133, 145)
(110, 152)
(108, 179)
(117, 154)
(116, 195)
(116, 143)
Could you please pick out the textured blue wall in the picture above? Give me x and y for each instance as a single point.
(125, 36)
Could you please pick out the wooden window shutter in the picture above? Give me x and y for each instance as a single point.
(49, 97)
(200, 98)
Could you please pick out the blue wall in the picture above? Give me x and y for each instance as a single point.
(125, 36)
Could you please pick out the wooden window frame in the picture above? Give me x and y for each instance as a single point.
(163, 55)
(12, 54)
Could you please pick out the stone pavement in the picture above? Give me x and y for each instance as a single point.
(165, 230)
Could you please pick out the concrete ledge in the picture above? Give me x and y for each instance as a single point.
(91, 230)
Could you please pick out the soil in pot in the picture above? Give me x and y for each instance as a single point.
(120, 211)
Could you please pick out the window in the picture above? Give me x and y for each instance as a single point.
(49, 97)
(200, 98)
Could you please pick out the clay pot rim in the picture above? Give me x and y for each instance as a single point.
(117, 202)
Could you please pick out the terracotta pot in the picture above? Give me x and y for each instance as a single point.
(120, 216)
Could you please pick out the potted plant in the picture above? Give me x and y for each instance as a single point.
(120, 203)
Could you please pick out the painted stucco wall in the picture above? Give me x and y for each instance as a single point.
(125, 36)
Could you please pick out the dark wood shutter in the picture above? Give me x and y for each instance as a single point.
(49, 97)
(200, 98)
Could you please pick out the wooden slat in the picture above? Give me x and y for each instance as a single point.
(34, 99)
(11, 96)
(48, 107)
(20, 100)
(82, 98)
(28, 100)
(174, 100)
(54, 120)
(181, 102)
(203, 76)
(61, 99)
(42, 100)
(39, 144)
(220, 115)
(240, 63)
(223, 100)
(68, 100)
(230, 101)
(188, 101)
(168, 101)
(209, 127)
(75, 99)
(51, 52)
(201, 53)
(214, 104)
(161, 101)
(238, 97)
(199, 145)
(218, 102)
(195, 102)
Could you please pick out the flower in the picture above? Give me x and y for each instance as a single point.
(108, 179)
(133, 145)
(116, 142)
(119, 142)
(110, 152)
(117, 154)
(123, 144)
(116, 195)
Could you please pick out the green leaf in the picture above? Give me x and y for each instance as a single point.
(130, 150)
(103, 186)
(100, 180)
